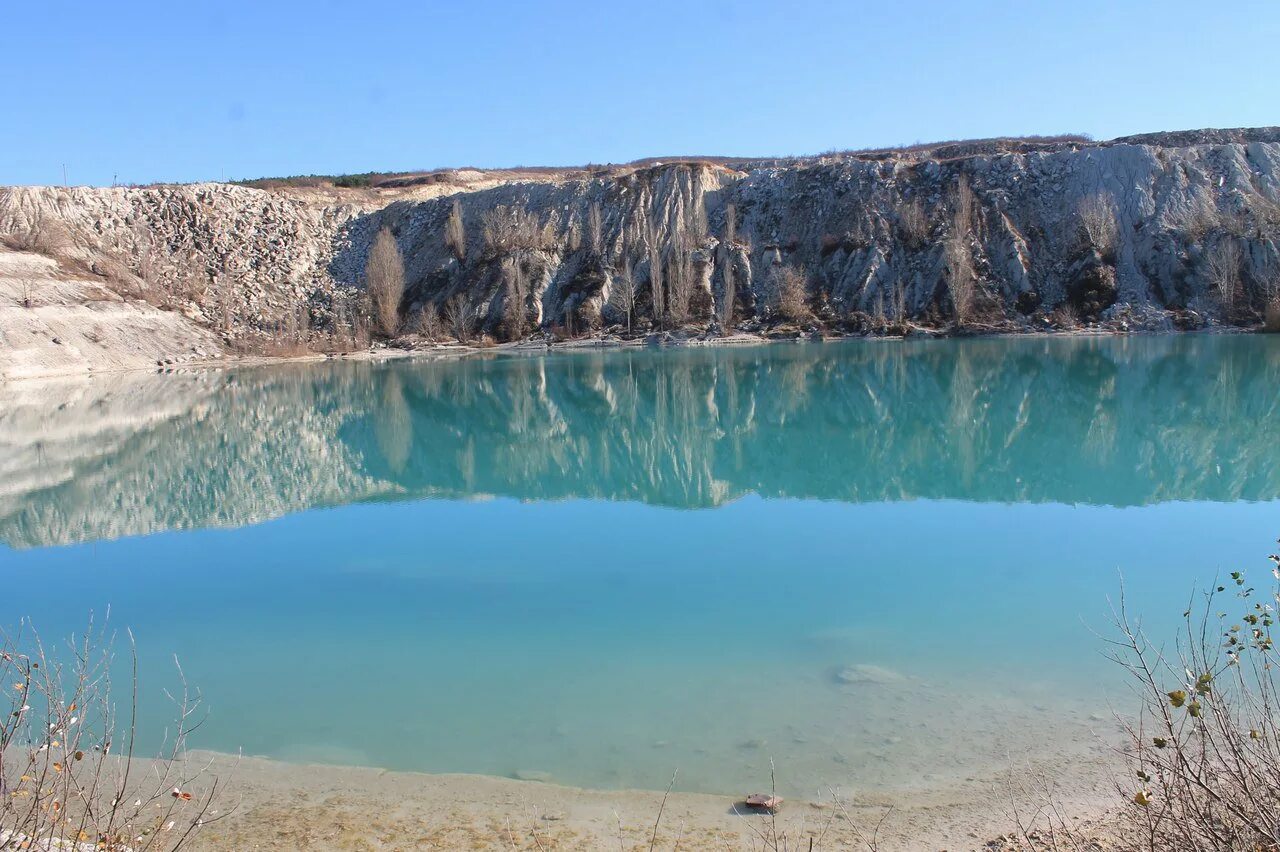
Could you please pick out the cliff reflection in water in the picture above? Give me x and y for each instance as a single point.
(1105, 421)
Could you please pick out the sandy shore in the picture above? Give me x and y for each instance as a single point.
(275, 805)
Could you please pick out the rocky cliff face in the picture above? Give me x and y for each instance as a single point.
(1157, 231)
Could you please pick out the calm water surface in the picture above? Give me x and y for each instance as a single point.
(879, 563)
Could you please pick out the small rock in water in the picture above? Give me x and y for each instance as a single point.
(531, 775)
(764, 800)
(867, 673)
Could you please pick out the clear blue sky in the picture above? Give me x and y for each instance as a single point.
(180, 91)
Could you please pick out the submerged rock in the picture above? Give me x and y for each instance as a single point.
(865, 673)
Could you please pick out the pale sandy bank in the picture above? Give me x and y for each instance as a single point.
(275, 805)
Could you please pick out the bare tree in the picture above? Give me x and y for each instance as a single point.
(384, 281)
(729, 294)
(226, 306)
(429, 324)
(680, 281)
(899, 301)
(1222, 268)
(655, 276)
(622, 293)
(27, 289)
(515, 296)
(455, 235)
(913, 224)
(960, 284)
(459, 317)
(595, 229)
(962, 206)
(1096, 215)
(957, 254)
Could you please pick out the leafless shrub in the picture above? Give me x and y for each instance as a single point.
(1222, 269)
(460, 318)
(455, 235)
(350, 320)
(729, 293)
(295, 330)
(1205, 748)
(622, 292)
(49, 237)
(384, 281)
(429, 323)
(1198, 218)
(69, 775)
(1271, 316)
(26, 288)
(1065, 317)
(117, 273)
(1203, 751)
(1266, 212)
(913, 224)
(510, 228)
(790, 293)
(1096, 223)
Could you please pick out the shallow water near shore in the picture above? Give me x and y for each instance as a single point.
(880, 564)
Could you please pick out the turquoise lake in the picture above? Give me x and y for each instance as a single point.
(880, 563)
